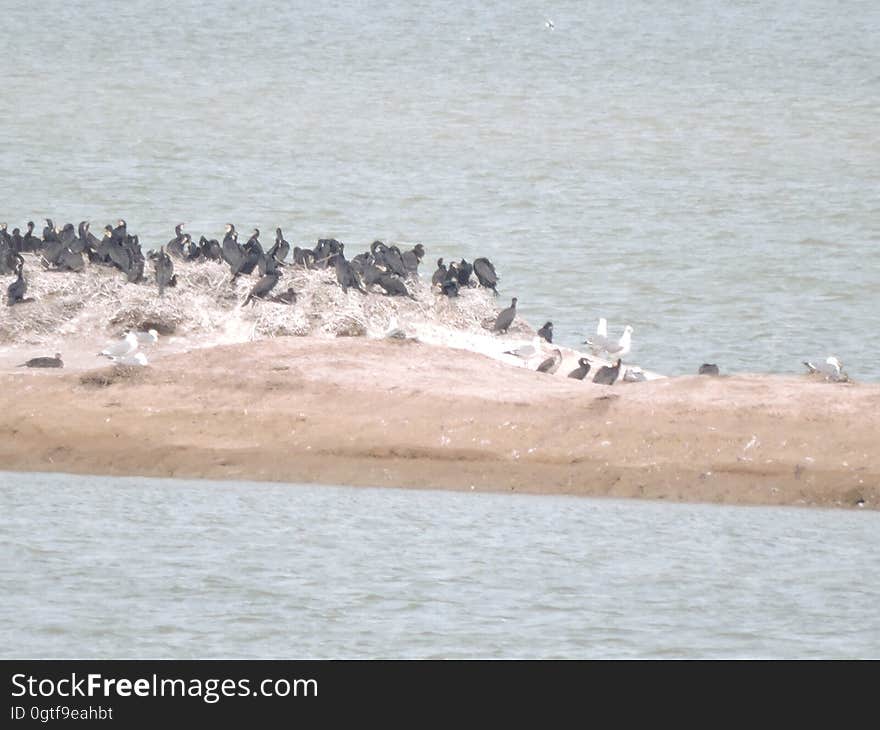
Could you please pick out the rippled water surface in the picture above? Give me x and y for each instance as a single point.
(706, 171)
(109, 567)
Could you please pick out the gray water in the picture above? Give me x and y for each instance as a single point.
(109, 567)
(707, 172)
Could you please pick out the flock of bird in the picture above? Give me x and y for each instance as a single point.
(67, 248)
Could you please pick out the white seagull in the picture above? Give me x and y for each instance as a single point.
(621, 348)
(832, 369)
(121, 348)
(527, 352)
(151, 337)
(135, 358)
(598, 341)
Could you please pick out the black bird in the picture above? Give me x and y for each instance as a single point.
(252, 252)
(90, 242)
(164, 267)
(299, 256)
(44, 362)
(31, 242)
(120, 231)
(464, 273)
(175, 246)
(263, 286)
(709, 369)
(412, 259)
(49, 233)
(546, 332)
(210, 249)
(580, 372)
(17, 241)
(393, 286)
(607, 374)
(281, 248)
(346, 275)
(440, 274)
(552, 363)
(485, 273)
(233, 254)
(287, 297)
(505, 318)
(16, 290)
(449, 286)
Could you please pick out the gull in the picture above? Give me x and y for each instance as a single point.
(527, 352)
(149, 337)
(549, 24)
(621, 348)
(832, 369)
(121, 348)
(600, 339)
(136, 358)
(394, 332)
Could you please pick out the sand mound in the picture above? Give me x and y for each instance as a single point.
(206, 307)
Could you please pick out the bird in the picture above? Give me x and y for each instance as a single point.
(546, 332)
(135, 358)
(44, 362)
(551, 364)
(281, 248)
(440, 274)
(527, 352)
(393, 286)
(634, 375)
(164, 267)
(708, 369)
(345, 274)
(485, 273)
(263, 286)
(121, 348)
(607, 374)
(598, 341)
(16, 290)
(831, 369)
(412, 259)
(549, 24)
(285, 297)
(150, 337)
(580, 372)
(464, 273)
(621, 348)
(394, 332)
(505, 318)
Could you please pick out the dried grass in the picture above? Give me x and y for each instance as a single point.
(205, 303)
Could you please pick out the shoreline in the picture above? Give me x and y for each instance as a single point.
(368, 412)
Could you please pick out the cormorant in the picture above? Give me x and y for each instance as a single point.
(580, 372)
(485, 273)
(505, 318)
(607, 374)
(546, 332)
(263, 286)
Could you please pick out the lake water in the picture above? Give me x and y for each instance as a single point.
(109, 567)
(708, 173)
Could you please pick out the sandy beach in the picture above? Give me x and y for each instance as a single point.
(405, 413)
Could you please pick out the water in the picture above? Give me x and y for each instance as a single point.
(109, 567)
(708, 173)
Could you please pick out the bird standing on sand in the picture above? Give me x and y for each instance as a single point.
(580, 372)
(44, 362)
(551, 364)
(505, 318)
(134, 358)
(831, 369)
(122, 348)
(546, 332)
(607, 375)
(150, 337)
(598, 341)
(621, 348)
(439, 274)
(708, 368)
